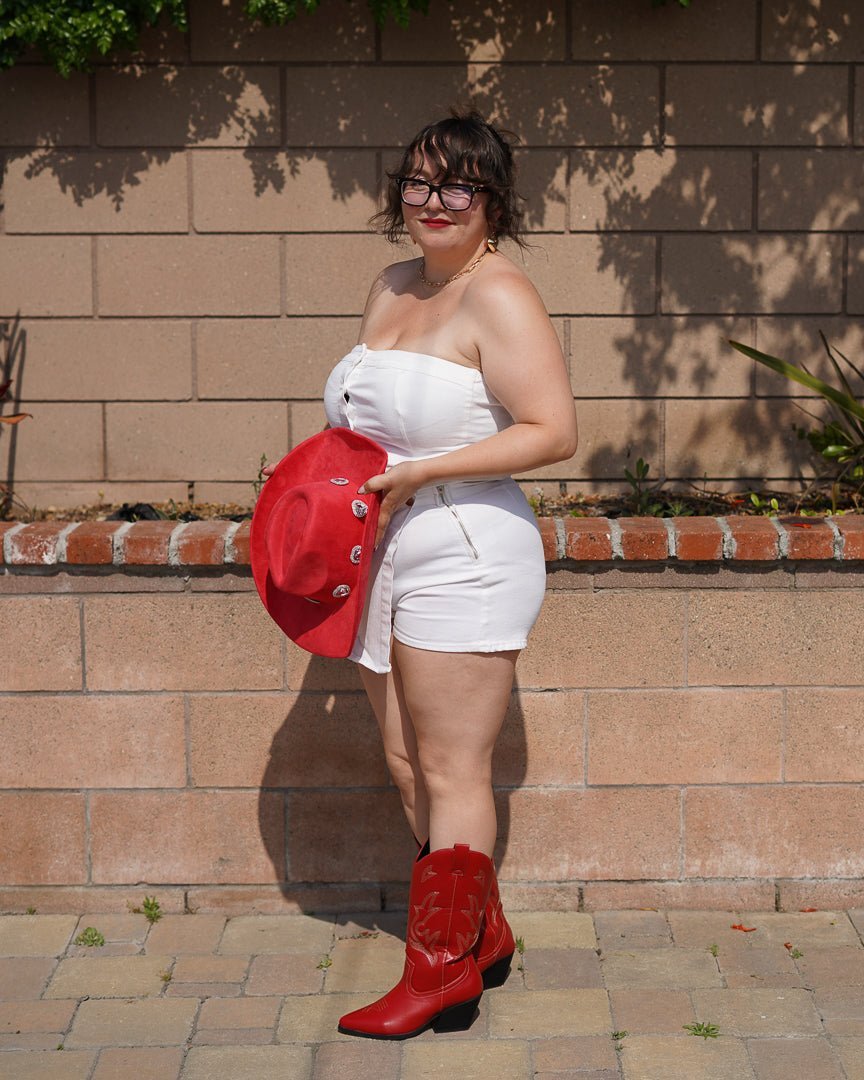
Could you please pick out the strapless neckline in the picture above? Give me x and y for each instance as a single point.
(414, 352)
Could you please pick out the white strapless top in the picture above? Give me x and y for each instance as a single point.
(413, 404)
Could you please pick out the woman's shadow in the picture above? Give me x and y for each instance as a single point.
(343, 844)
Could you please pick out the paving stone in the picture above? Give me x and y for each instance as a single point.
(24, 977)
(360, 1060)
(31, 1040)
(18, 1016)
(115, 927)
(554, 929)
(294, 973)
(133, 1022)
(546, 1013)
(109, 976)
(255, 934)
(563, 1055)
(35, 935)
(830, 929)
(472, 1061)
(205, 969)
(175, 934)
(248, 1062)
(139, 1063)
(46, 1065)
(203, 990)
(759, 1012)
(384, 924)
(561, 969)
(370, 965)
(699, 929)
(233, 1037)
(313, 1018)
(669, 969)
(856, 917)
(833, 967)
(615, 929)
(110, 948)
(657, 1013)
(851, 1054)
(748, 967)
(682, 1057)
(841, 1009)
(579, 1074)
(794, 1059)
(246, 1013)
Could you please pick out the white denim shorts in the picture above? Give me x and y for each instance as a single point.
(461, 570)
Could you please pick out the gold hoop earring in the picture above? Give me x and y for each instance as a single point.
(492, 244)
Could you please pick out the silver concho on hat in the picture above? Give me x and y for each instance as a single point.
(340, 480)
(341, 590)
(359, 509)
(356, 552)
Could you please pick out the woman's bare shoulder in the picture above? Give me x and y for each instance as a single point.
(502, 288)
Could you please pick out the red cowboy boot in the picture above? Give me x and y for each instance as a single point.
(440, 982)
(496, 944)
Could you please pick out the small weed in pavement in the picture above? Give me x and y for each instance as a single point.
(325, 962)
(706, 1030)
(90, 936)
(617, 1036)
(31, 910)
(520, 948)
(165, 976)
(714, 949)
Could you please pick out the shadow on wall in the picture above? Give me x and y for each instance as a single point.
(13, 352)
(344, 824)
(658, 241)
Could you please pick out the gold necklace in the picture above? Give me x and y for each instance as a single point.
(441, 284)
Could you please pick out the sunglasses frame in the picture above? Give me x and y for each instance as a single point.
(437, 189)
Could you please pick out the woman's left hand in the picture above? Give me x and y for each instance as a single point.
(397, 487)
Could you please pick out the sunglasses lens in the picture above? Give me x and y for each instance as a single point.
(455, 197)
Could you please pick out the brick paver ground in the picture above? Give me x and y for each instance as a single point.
(592, 997)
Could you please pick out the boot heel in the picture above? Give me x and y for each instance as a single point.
(497, 974)
(457, 1017)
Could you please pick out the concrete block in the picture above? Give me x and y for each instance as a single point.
(166, 836)
(62, 741)
(756, 105)
(769, 274)
(188, 275)
(128, 192)
(187, 106)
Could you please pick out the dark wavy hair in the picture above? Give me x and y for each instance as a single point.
(468, 147)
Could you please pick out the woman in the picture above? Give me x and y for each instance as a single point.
(460, 376)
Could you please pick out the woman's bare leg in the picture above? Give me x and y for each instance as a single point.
(456, 703)
(400, 745)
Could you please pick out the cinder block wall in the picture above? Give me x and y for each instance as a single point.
(183, 232)
(686, 731)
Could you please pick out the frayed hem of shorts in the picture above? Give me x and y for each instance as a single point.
(466, 647)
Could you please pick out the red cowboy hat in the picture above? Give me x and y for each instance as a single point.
(312, 539)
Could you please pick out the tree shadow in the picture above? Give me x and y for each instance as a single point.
(346, 845)
(13, 354)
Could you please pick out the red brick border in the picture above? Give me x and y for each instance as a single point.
(629, 539)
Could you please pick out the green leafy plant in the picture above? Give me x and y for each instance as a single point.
(706, 1030)
(839, 442)
(325, 962)
(714, 949)
(617, 1036)
(764, 506)
(70, 33)
(258, 483)
(151, 909)
(520, 948)
(90, 937)
(642, 497)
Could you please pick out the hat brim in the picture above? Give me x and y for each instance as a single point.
(323, 629)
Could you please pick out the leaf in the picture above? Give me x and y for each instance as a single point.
(4, 387)
(743, 928)
(16, 419)
(808, 909)
(846, 403)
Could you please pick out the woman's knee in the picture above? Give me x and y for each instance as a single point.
(402, 771)
(451, 774)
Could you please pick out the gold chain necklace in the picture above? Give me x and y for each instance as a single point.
(441, 284)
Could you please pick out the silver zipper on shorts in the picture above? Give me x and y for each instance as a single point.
(448, 502)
